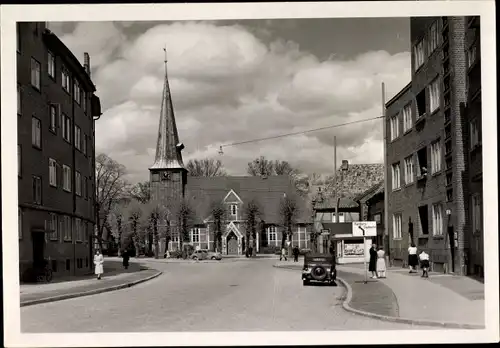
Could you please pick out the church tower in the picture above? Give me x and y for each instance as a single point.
(168, 175)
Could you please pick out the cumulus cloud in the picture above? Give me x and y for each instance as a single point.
(227, 86)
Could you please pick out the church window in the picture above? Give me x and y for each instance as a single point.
(272, 234)
(155, 177)
(234, 210)
(195, 235)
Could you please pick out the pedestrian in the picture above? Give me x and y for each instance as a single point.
(381, 263)
(372, 266)
(412, 258)
(250, 251)
(126, 258)
(283, 254)
(424, 263)
(296, 253)
(99, 263)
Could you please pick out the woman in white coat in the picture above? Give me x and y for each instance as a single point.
(381, 268)
(99, 264)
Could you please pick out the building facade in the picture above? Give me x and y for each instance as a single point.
(56, 106)
(171, 187)
(426, 140)
(473, 149)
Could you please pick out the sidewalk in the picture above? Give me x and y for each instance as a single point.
(114, 278)
(442, 300)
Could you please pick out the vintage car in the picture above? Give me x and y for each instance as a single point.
(319, 268)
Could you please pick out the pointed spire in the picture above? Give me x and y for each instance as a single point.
(168, 148)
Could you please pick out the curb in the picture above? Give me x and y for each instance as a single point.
(88, 293)
(420, 322)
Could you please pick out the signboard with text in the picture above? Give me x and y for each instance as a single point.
(364, 228)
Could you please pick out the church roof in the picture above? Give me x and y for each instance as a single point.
(268, 192)
(168, 153)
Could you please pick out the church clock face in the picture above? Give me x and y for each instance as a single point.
(166, 175)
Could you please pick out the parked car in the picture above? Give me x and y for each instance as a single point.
(319, 268)
(212, 255)
(199, 255)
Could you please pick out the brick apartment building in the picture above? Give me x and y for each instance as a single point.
(56, 106)
(427, 148)
(474, 152)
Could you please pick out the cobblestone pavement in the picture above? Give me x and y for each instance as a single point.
(237, 296)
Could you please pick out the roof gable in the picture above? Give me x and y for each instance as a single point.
(232, 197)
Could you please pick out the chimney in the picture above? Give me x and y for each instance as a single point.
(86, 63)
(345, 165)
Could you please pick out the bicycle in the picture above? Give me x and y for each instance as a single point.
(45, 274)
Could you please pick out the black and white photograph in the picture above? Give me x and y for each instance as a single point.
(248, 174)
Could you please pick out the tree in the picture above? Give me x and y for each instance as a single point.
(261, 166)
(219, 213)
(141, 192)
(116, 224)
(135, 227)
(205, 167)
(110, 186)
(289, 211)
(158, 225)
(184, 215)
(252, 212)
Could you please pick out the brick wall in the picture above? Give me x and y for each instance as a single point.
(356, 179)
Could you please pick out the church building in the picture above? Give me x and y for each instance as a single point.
(170, 182)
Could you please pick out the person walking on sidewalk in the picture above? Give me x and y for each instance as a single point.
(283, 254)
(372, 266)
(126, 258)
(424, 264)
(412, 258)
(381, 263)
(99, 264)
(296, 254)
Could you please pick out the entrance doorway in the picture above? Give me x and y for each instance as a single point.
(232, 244)
(38, 240)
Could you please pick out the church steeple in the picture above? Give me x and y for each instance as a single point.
(168, 148)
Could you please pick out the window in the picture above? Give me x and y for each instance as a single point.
(19, 101)
(19, 160)
(36, 132)
(407, 118)
(397, 223)
(78, 229)
(418, 54)
(421, 103)
(66, 178)
(394, 127)
(475, 134)
(409, 170)
(434, 95)
(51, 64)
(35, 73)
(477, 209)
(437, 220)
(234, 210)
(195, 235)
(65, 80)
(435, 157)
(20, 223)
(78, 183)
(423, 221)
(433, 38)
(52, 172)
(78, 138)
(53, 226)
(84, 187)
(84, 101)
(272, 235)
(66, 128)
(396, 178)
(37, 190)
(84, 146)
(422, 162)
(76, 92)
(53, 117)
(68, 233)
(471, 56)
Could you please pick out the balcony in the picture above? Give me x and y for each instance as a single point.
(447, 116)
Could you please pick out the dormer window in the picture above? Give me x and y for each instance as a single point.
(234, 210)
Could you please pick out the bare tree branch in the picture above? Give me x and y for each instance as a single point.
(205, 167)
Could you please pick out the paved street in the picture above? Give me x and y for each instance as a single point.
(248, 295)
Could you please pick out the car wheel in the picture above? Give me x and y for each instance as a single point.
(195, 258)
(305, 282)
(319, 273)
(213, 257)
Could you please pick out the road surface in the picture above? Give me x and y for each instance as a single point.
(244, 295)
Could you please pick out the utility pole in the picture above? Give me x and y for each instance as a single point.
(385, 238)
(335, 184)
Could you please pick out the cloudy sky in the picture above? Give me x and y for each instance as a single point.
(233, 81)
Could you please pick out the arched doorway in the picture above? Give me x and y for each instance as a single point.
(232, 244)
